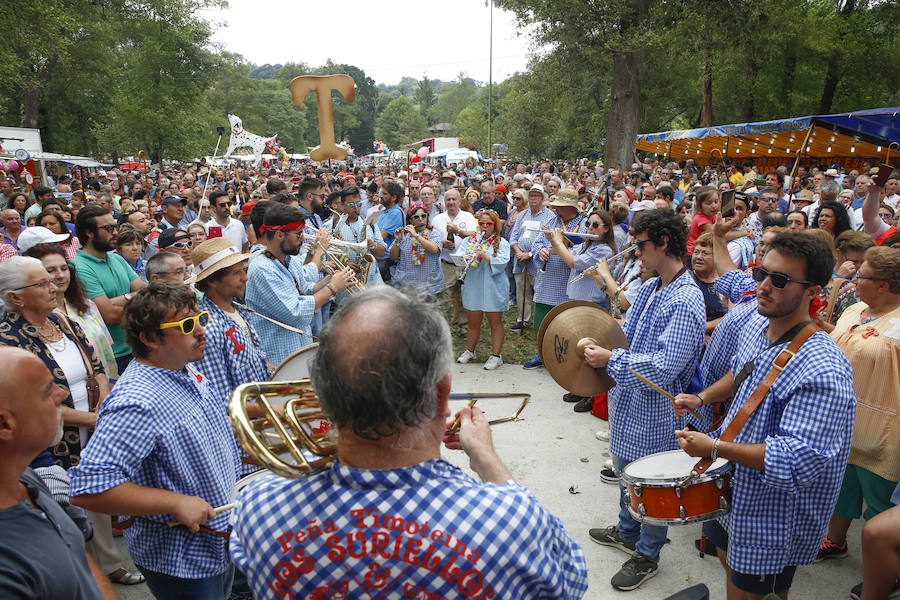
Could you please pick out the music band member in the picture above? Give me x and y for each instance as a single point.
(163, 449)
(390, 516)
(665, 327)
(417, 252)
(791, 452)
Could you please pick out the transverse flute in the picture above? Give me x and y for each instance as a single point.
(593, 268)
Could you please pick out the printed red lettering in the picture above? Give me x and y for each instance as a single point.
(413, 547)
(351, 544)
(305, 563)
(285, 573)
(380, 541)
(469, 582)
(448, 573)
(237, 346)
(283, 539)
(337, 551)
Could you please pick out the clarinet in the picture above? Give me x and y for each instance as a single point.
(469, 262)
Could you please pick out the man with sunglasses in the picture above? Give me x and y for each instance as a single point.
(355, 229)
(767, 202)
(163, 450)
(665, 326)
(790, 454)
(106, 277)
(231, 229)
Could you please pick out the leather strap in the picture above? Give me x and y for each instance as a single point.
(752, 403)
(91, 383)
(836, 283)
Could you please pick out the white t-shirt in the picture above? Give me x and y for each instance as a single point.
(464, 220)
(893, 201)
(70, 361)
(234, 232)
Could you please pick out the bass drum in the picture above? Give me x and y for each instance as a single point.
(295, 366)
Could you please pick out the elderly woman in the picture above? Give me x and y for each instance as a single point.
(418, 253)
(485, 290)
(53, 221)
(869, 334)
(30, 322)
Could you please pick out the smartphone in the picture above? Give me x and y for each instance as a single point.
(728, 203)
(760, 182)
(215, 231)
(884, 173)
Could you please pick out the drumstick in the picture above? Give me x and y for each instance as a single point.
(455, 426)
(662, 391)
(217, 510)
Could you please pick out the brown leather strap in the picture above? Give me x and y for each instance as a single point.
(836, 283)
(752, 403)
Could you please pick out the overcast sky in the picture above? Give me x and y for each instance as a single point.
(387, 39)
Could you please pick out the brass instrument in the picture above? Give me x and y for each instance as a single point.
(301, 442)
(341, 261)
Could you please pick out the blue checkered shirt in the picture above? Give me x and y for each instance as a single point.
(425, 531)
(735, 284)
(585, 288)
(428, 274)
(779, 516)
(168, 430)
(753, 223)
(272, 290)
(665, 330)
(550, 286)
(524, 238)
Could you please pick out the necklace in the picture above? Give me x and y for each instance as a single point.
(52, 335)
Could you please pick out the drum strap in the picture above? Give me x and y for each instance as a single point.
(756, 398)
(271, 320)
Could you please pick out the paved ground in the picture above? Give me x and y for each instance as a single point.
(553, 449)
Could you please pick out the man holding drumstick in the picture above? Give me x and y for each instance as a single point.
(665, 327)
(162, 449)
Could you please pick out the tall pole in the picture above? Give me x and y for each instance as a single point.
(491, 86)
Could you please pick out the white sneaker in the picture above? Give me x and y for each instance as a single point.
(492, 363)
(602, 435)
(465, 357)
(608, 464)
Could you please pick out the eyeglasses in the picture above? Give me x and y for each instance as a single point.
(187, 324)
(858, 276)
(779, 280)
(353, 204)
(41, 284)
(108, 228)
(182, 245)
(419, 216)
(595, 224)
(640, 244)
(180, 272)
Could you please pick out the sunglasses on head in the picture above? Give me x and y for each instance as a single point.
(779, 280)
(188, 323)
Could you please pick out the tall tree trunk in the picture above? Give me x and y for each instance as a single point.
(31, 104)
(833, 74)
(750, 86)
(624, 107)
(787, 80)
(706, 113)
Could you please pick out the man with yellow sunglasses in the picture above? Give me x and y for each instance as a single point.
(163, 450)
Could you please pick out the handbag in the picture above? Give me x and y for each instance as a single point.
(93, 386)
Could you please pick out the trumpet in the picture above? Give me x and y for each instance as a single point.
(302, 442)
(593, 269)
(341, 262)
(335, 244)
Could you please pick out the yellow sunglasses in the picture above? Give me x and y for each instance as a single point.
(187, 324)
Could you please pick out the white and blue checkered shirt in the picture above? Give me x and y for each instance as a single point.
(665, 330)
(167, 430)
(524, 238)
(779, 516)
(425, 531)
(427, 274)
(550, 286)
(275, 291)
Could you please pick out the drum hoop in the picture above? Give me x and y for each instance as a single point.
(678, 520)
(292, 355)
(664, 482)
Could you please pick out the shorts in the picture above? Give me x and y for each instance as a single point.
(754, 584)
(451, 274)
(861, 485)
(540, 311)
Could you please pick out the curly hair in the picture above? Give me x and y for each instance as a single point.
(842, 219)
(662, 225)
(818, 256)
(149, 308)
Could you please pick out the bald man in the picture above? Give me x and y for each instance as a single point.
(42, 551)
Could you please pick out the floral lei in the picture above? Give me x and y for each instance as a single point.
(417, 250)
(473, 245)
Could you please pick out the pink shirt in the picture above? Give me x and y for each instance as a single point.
(696, 229)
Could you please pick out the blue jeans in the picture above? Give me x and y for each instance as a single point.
(650, 538)
(166, 587)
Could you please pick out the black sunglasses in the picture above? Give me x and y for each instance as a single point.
(595, 224)
(779, 280)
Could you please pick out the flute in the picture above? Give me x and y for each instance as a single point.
(569, 234)
(592, 269)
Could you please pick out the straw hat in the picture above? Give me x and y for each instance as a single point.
(214, 255)
(565, 197)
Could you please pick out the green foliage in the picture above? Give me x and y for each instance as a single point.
(457, 96)
(400, 123)
(425, 97)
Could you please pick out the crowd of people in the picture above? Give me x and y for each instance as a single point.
(134, 303)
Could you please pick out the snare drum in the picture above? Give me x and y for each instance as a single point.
(660, 490)
(295, 366)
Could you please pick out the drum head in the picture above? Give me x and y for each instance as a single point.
(295, 366)
(663, 466)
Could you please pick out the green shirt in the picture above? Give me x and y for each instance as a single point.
(110, 277)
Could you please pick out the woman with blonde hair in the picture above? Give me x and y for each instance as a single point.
(485, 290)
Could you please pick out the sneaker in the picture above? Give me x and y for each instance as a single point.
(608, 463)
(517, 326)
(585, 404)
(534, 363)
(856, 592)
(607, 475)
(570, 397)
(493, 362)
(829, 549)
(602, 435)
(609, 536)
(465, 357)
(634, 572)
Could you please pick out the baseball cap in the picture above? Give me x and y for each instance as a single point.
(39, 235)
(172, 200)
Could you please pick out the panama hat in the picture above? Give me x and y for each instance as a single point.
(214, 255)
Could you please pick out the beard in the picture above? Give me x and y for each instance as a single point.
(103, 245)
(290, 248)
(780, 309)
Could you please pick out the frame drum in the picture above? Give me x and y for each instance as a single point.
(295, 366)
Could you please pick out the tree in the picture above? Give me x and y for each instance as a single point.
(457, 96)
(425, 96)
(400, 123)
(471, 127)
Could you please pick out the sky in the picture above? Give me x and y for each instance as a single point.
(387, 39)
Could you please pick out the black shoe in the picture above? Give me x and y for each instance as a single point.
(634, 572)
(516, 327)
(609, 536)
(609, 476)
(570, 397)
(584, 405)
(856, 592)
